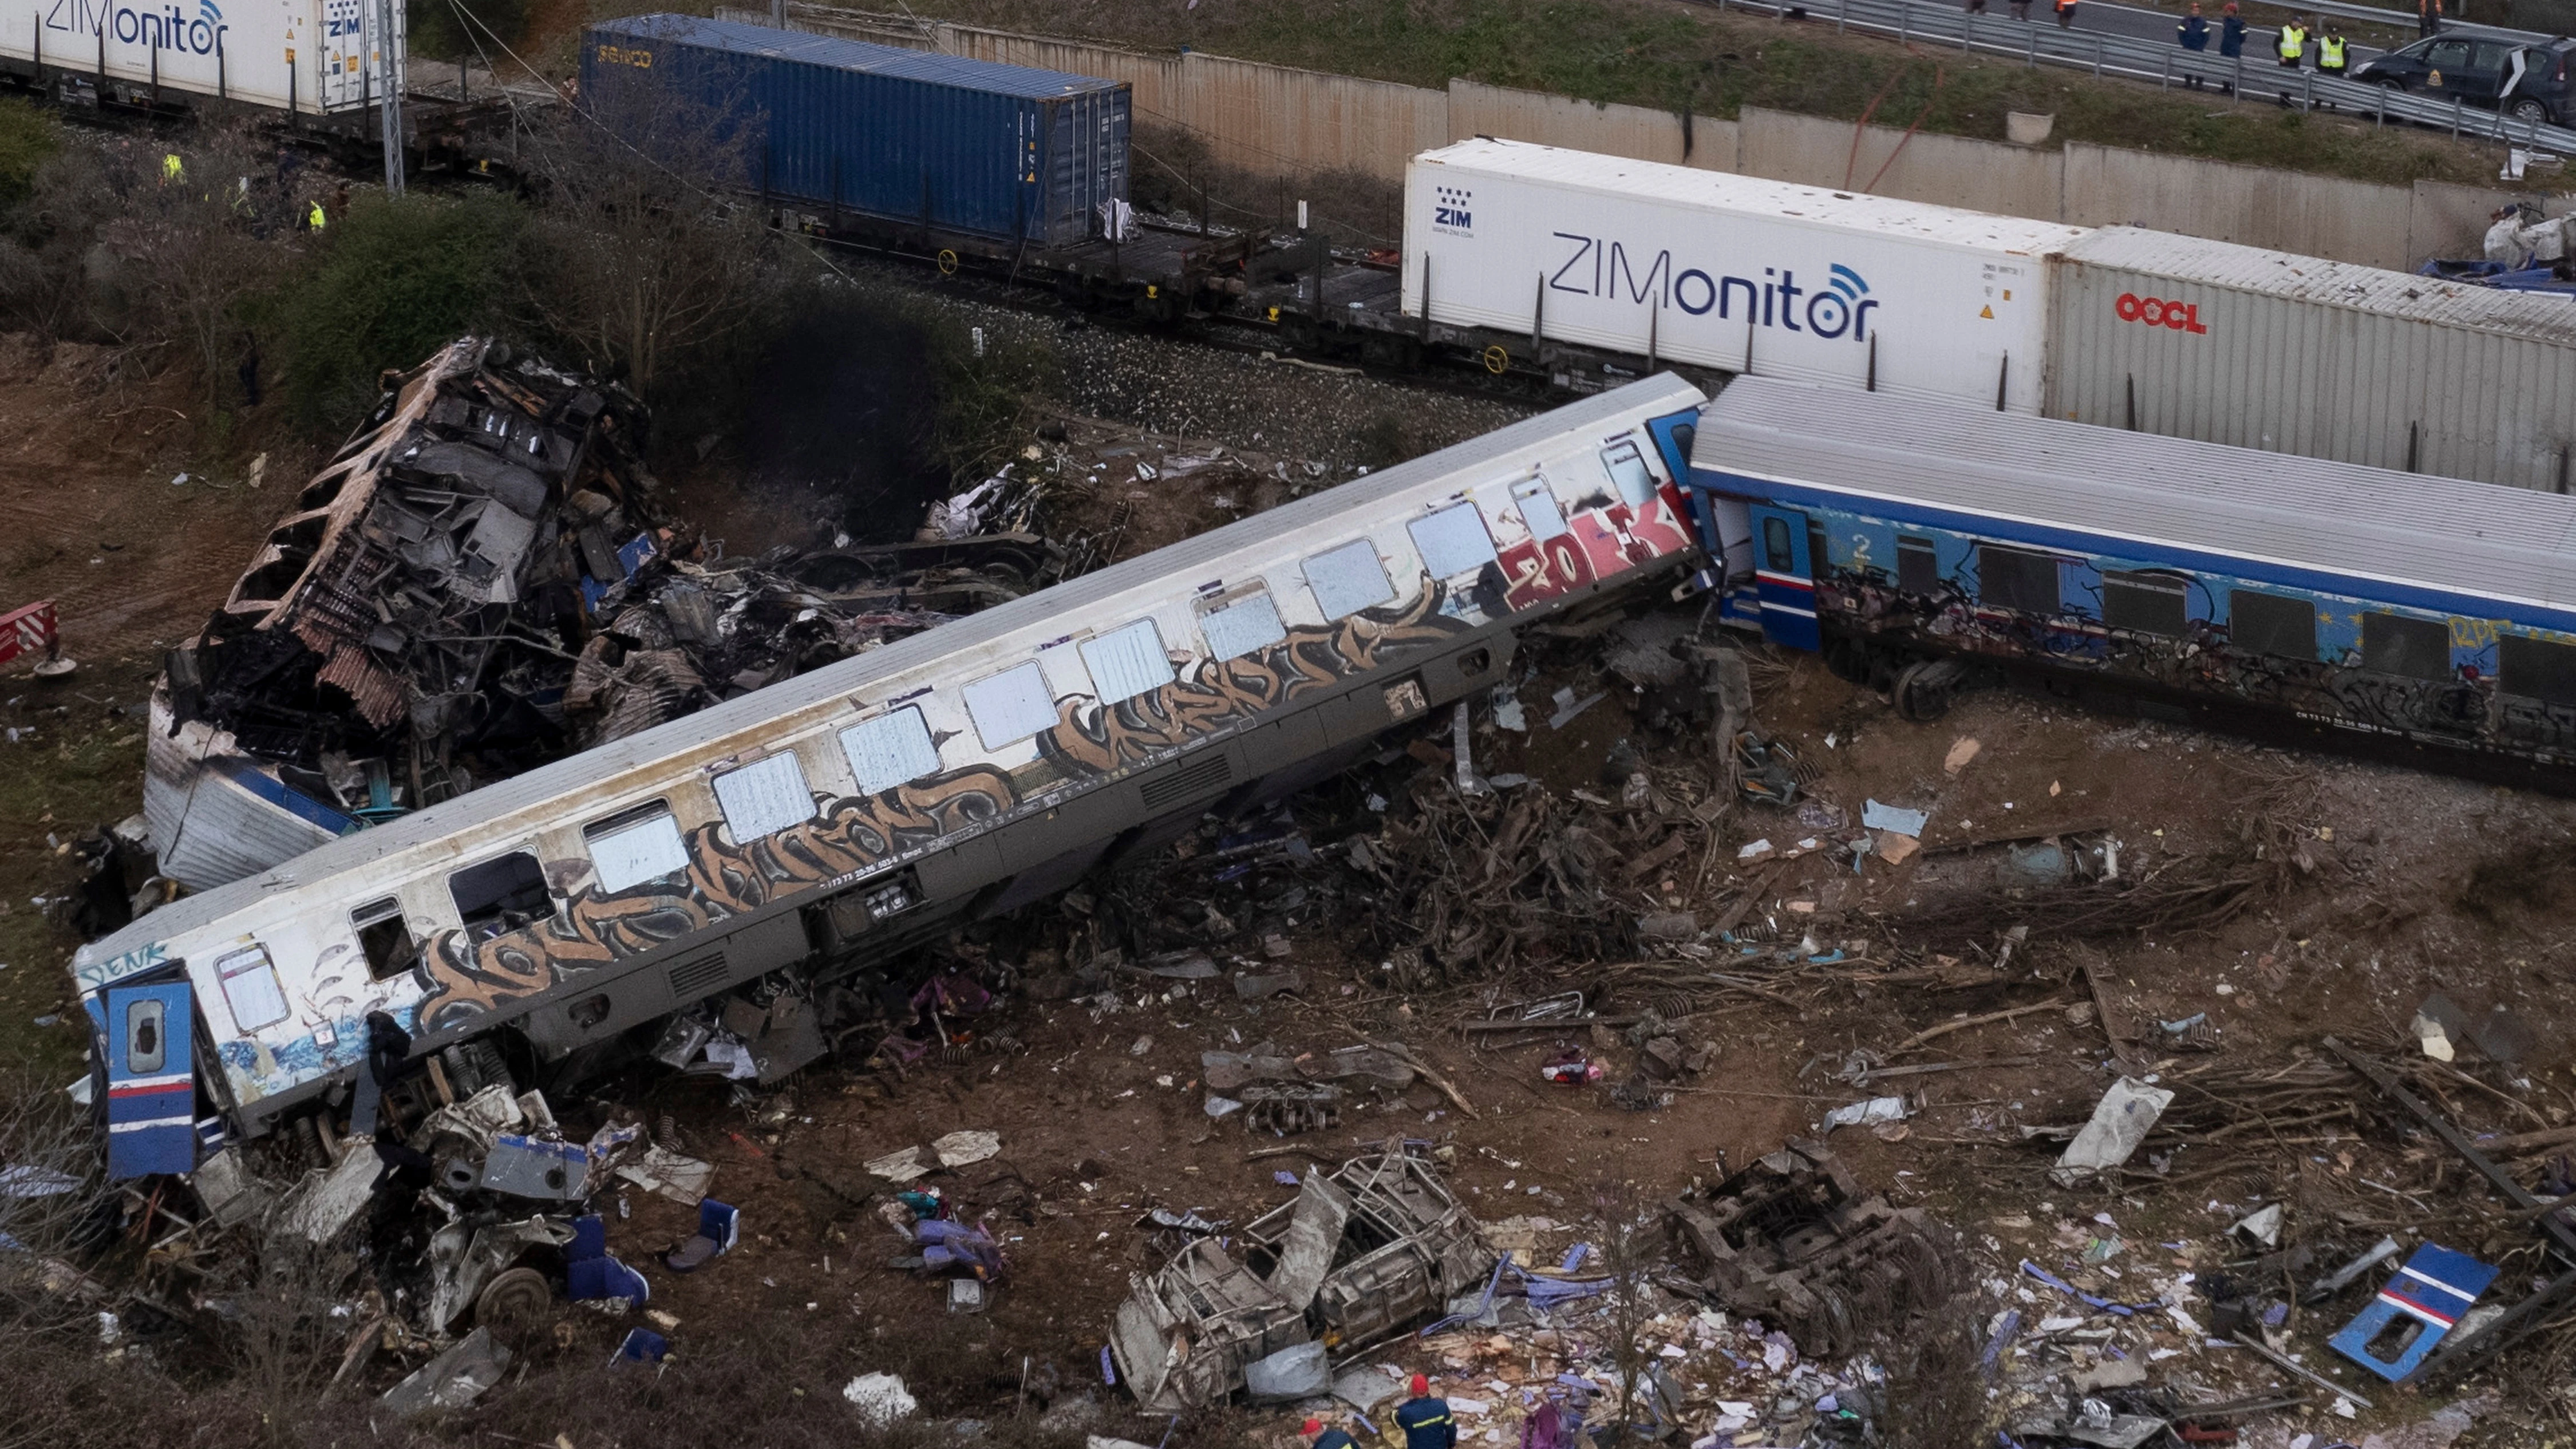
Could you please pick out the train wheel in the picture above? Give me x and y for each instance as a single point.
(1922, 691)
(514, 1304)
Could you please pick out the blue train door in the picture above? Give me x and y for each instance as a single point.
(151, 1084)
(1784, 577)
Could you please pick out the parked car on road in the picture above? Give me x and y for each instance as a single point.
(2527, 82)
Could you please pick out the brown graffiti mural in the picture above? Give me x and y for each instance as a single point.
(469, 978)
(1219, 694)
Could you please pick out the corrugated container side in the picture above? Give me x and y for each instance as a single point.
(2187, 349)
(966, 148)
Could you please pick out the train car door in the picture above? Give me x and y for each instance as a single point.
(1784, 577)
(151, 1081)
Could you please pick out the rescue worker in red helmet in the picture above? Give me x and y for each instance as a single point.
(1426, 1421)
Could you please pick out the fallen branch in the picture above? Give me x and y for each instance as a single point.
(1947, 1027)
(1456, 1097)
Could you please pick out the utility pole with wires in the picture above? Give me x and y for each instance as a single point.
(389, 79)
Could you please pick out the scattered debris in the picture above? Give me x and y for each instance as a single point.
(1364, 1251)
(2120, 1122)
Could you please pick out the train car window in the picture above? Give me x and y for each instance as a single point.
(890, 750)
(1627, 468)
(2146, 603)
(1128, 661)
(501, 894)
(147, 1036)
(2415, 648)
(1348, 579)
(1452, 541)
(2531, 668)
(2017, 579)
(635, 846)
(385, 938)
(1540, 511)
(1010, 706)
(1243, 625)
(1918, 568)
(251, 989)
(2270, 624)
(764, 798)
(1777, 556)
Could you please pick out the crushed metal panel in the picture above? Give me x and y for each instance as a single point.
(1791, 1240)
(1314, 1235)
(325, 1203)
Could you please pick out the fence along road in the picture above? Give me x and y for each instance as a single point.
(2039, 42)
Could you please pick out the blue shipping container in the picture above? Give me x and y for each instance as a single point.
(957, 145)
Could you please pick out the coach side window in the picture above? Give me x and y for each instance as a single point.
(385, 938)
(892, 749)
(1010, 706)
(2415, 648)
(1452, 541)
(250, 988)
(1348, 579)
(2538, 669)
(2011, 578)
(1918, 568)
(1627, 468)
(501, 894)
(634, 846)
(2146, 603)
(1127, 661)
(2270, 624)
(764, 798)
(1242, 625)
(1539, 509)
(1777, 556)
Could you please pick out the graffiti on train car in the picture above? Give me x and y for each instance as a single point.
(853, 835)
(2452, 698)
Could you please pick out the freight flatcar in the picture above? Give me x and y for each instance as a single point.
(1906, 539)
(834, 818)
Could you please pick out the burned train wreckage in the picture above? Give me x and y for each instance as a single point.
(479, 582)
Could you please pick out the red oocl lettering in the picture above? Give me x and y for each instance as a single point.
(2157, 312)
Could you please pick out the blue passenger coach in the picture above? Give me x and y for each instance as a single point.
(1892, 533)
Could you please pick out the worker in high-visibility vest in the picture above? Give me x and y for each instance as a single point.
(171, 169)
(314, 220)
(2293, 42)
(2330, 50)
(2330, 55)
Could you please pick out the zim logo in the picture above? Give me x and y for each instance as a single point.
(1451, 208)
(2157, 312)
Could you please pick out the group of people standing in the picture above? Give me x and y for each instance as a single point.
(2291, 44)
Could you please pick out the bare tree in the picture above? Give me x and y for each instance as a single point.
(1626, 1233)
(193, 243)
(650, 254)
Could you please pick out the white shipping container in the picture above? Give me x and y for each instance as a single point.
(313, 56)
(1730, 272)
(2262, 349)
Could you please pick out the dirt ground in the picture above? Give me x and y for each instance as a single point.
(2426, 883)
(2370, 887)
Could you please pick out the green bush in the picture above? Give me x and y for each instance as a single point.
(382, 288)
(28, 138)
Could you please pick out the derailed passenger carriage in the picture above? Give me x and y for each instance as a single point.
(1911, 540)
(846, 813)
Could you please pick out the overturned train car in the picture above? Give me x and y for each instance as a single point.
(1912, 542)
(864, 806)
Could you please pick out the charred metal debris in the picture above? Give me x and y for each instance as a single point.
(485, 579)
